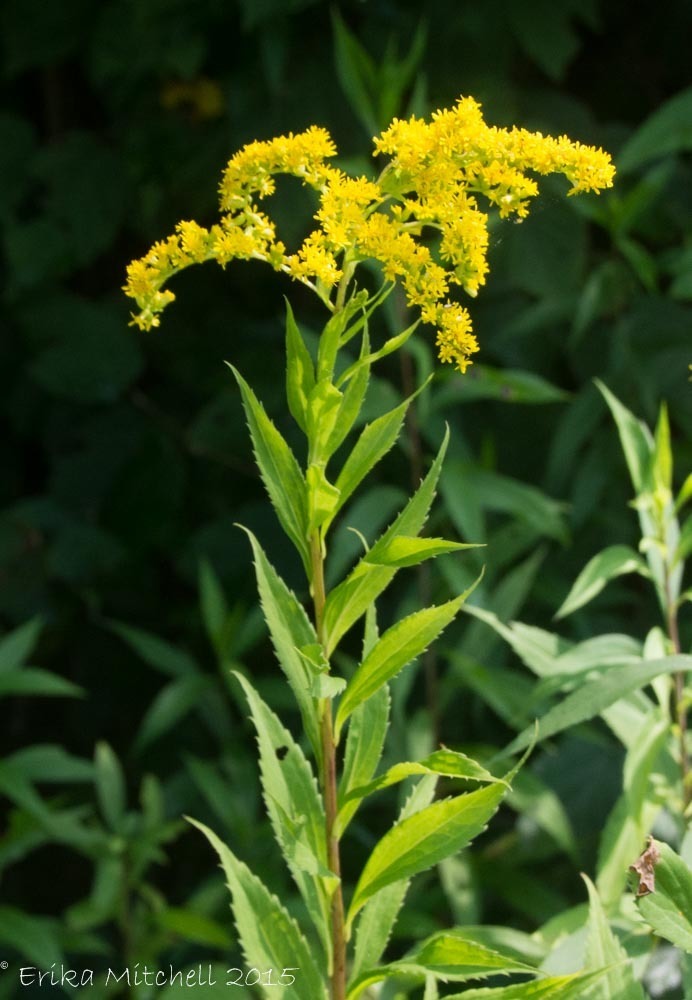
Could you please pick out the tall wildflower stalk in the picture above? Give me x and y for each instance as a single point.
(424, 222)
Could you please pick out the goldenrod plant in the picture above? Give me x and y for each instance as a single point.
(422, 223)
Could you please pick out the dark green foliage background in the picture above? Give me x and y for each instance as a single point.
(126, 461)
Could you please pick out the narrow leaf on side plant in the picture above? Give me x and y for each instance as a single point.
(596, 695)
(279, 469)
(574, 987)
(351, 599)
(270, 938)
(399, 645)
(291, 631)
(614, 561)
(602, 950)
(668, 907)
(16, 645)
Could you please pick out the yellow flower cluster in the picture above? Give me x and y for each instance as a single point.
(420, 220)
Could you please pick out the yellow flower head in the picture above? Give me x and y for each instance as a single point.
(424, 220)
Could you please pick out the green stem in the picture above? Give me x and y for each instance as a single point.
(679, 710)
(329, 786)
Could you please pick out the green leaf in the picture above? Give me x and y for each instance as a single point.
(614, 561)
(667, 130)
(574, 987)
(295, 809)
(291, 631)
(170, 705)
(379, 914)
(374, 442)
(323, 498)
(323, 409)
(37, 938)
(602, 950)
(300, 371)
(447, 763)
(422, 840)
(635, 437)
(663, 454)
(505, 385)
(684, 546)
(630, 819)
(192, 926)
(49, 762)
(399, 645)
(404, 551)
(596, 695)
(110, 786)
(214, 606)
(270, 938)
(351, 599)
(156, 652)
(539, 803)
(353, 396)
(366, 360)
(447, 955)
(685, 493)
(16, 645)
(357, 75)
(364, 743)
(668, 909)
(36, 682)
(279, 469)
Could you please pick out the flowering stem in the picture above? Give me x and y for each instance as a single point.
(329, 788)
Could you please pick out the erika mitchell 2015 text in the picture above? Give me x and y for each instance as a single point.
(142, 975)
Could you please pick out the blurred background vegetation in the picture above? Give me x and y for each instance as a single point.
(126, 594)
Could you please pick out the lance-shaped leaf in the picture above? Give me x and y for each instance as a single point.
(291, 631)
(35, 681)
(574, 987)
(420, 841)
(603, 950)
(351, 599)
(324, 406)
(366, 735)
(374, 442)
(17, 644)
(668, 909)
(447, 955)
(379, 914)
(593, 697)
(353, 396)
(270, 938)
(399, 645)
(614, 561)
(300, 371)
(295, 809)
(366, 359)
(404, 551)
(444, 763)
(279, 470)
